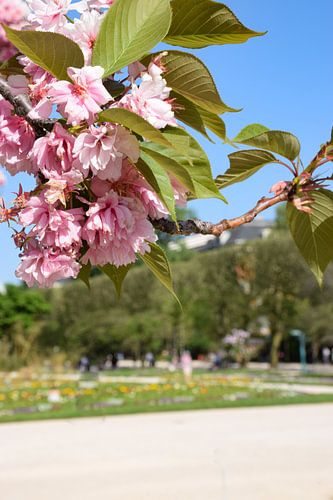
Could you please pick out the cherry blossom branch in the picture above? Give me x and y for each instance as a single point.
(23, 107)
(195, 226)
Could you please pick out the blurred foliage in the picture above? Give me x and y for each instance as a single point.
(262, 287)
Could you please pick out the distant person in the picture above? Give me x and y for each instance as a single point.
(108, 362)
(150, 359)
(186, 362)
(218, 361)
(114, 361)
(84, 364)
(326, 352)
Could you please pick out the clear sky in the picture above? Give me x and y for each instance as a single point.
(282, 80)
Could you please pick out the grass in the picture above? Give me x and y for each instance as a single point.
(32, 399)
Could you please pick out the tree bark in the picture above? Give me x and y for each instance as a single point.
(275, 348)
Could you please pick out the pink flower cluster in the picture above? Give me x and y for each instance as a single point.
(90, 203)
(12, 12)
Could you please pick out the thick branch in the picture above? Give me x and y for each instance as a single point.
(23, 107)
(199, 227)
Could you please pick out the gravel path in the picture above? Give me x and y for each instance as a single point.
(270, 453)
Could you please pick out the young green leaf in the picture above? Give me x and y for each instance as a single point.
(199, 23)
(158, 263)
(213, 122)
(193, 159)
(188, 113)
(157, 177)
(84, 274)
(51, 51)
(313, 232)
(188, 76)
(130, 29)
(277, 141)
(116, 274)
(135, 123)
(250, 131)
(243, 164)
(11, 67)
(162, 155)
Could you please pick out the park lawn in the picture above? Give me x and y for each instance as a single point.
(22, 400)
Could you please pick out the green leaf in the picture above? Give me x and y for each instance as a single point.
(214, 123)
(277, 141)
(188, 76)
(159, 265)
(156, 176)
(313, 233)
(171, 166)
(84, 274)
(11, 67)
(116, 274)
(188, 113)
(135, 123)
(51, 51)
(199, 23)
(130, 29)
(243, 164)
(193, 159)
(250, 131)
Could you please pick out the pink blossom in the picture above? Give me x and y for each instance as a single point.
(84, 32)
(102, 150)
(43, 266)
(133, 185)
(135, 69)
(55, 190)
(82, 99)
(116, 230)
(5, 108)
(279, 187)
(302, 204)
(150, 99)
(12, 13)
(2, 179)
(18, 84)
(53, 154)
(53, 227)
(50, 15)
(16, 140)
(84, 5)
(37, 88)
(180, 192)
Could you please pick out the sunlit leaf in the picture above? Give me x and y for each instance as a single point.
(157, 177)
(313, 233)
(130, 29)
(243, 164)
(199, 23)
(135, 123)
(116, 274)
(277, 141)
(158, 263)
(84, 274)
(187, 75)
(51, 51)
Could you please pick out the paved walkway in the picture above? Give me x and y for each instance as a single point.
(240, 454)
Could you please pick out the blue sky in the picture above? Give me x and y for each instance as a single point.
(282, 80)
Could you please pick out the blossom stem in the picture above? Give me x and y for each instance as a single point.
(195, 226)
(23, 107)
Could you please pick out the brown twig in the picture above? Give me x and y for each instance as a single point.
(195, 226)
(23, 107)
